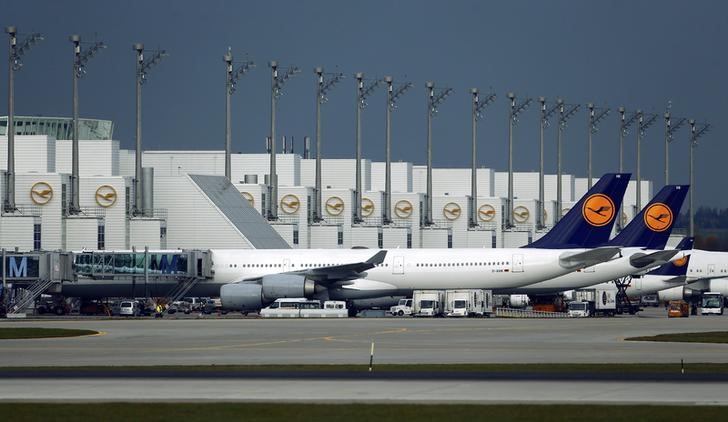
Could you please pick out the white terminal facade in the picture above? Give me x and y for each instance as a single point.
(185, 216)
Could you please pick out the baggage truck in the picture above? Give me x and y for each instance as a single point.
(468, 303)
(594, 302)
(429, 303)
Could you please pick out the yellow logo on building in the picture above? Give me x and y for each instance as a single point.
(106, 196)
(334, 205)
(290, 204)
(403, 208)
(41, 193)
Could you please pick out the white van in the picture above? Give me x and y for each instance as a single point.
(128, 308)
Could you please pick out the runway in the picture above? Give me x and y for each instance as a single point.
(348, 341)
(317, 391)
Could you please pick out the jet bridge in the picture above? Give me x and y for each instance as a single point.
(169, 274)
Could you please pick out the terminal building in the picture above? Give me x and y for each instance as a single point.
(188, 203)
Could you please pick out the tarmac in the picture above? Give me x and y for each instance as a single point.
(213, 341)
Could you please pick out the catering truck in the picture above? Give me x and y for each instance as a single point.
(428, 303)
(593, 302)
(468, 303)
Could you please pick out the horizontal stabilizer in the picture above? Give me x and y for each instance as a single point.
(653, 259)
(577, 260)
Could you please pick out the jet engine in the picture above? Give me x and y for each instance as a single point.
(677, 293)
(254, 296)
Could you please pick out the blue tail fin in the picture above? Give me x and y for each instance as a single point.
(590, 221)
(677, 267)
(652, 226)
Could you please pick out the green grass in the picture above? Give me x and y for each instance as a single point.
(559, 368)
(20, 333)
(706, 337)
(251, 412)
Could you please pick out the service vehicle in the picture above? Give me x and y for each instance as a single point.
(593, 302)
(650, 300)
(404, 307)
(305, 308)
(468, 303)
(430, 303)
(129, 308)
(678, 309)
(711, 303)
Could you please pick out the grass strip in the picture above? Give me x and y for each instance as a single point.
(252, 412)
(706, 337)
(562, 368)
(25, 333)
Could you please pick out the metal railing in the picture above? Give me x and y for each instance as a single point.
(25, 211)
(525, 313)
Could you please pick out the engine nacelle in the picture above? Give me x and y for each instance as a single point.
(519, 301)
(677, 293)
(287, 285)
(241, 296)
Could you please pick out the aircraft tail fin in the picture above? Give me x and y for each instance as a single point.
(590, 221)
(677, 267)
(651, 228)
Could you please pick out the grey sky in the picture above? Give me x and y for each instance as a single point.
(639, 54)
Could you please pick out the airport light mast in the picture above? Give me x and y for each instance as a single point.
(142, 68)
(695, 133)
(15, 63)
(594, 120)
(670, 130)
(624, 124)
(546, 113)
(564, 116)
(477, 113)
(232, 75)
(644, 121)
(79, 69)
(513, 112)
(322, 88)
(393, 94)
(435, 97)
(362, 92)
(278, 80)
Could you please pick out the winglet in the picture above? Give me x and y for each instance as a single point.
(590, 221)
(651, 228)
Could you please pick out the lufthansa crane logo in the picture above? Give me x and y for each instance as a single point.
(105, 196)
(249, 197)
(521, 214)
(290, 204)
(41, 193)
(451, 211)
(658, 217)
(680, 262)
(334, 205)
(367, 207)
(486, 212)
(403, 208)
(598, 210)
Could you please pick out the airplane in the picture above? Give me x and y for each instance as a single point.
(642, 242)
(671, 274)
(250, 279)
(706, 271)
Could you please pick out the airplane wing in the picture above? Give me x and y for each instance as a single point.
(653, 259)
(336, 273)
(576, 260)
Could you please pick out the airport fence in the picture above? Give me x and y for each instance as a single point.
(527, 313)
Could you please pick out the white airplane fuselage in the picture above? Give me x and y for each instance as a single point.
(403, 269)
(596, 274)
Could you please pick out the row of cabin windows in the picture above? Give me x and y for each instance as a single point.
(464, 264)
(292, 265)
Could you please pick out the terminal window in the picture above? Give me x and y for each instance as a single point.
(36, 237)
